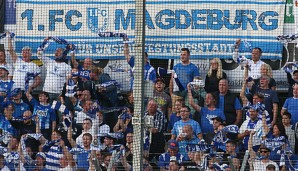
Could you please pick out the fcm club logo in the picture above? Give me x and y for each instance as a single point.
(98, 19)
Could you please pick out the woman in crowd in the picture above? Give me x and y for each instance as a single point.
(213, 76)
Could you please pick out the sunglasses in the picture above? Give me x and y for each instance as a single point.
(264, 151)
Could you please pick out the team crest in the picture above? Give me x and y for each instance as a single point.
(97, 20)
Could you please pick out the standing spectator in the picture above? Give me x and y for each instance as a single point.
(292, 80)
(6, 84)
(290, 132)
(99, 126)
(214, 75)
(25, 125)
(82, 159)
(271, 99)
(42, 109)
(4, 120)
(84, 71)
(229, 104)
(207, 113)
(291, 105)
(218, 124)
(57, 72)
(158, 140)
(55, 150)
(26, 73)
(19, 106)
(185, 120)
(6, 63)
(184, 73)
(255, 63)
(251, 124)
(266, 70)
(149, 71)
(163, 100)
(87, 128)
(173, 152)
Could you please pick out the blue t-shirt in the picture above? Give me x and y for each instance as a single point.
(45, 113)
(6, 126)
(206, 118)
(173, 119)
(186, 73)
(5, 87)
(19, 109)
(178, 126)
(291, 104)
(182, 146)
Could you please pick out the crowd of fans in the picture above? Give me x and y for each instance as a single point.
(77, 121)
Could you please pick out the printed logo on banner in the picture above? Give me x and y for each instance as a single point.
(98, 19)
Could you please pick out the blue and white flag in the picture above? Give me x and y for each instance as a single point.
(198, 147)
(56, 105)
(3, 35)
(247, 45)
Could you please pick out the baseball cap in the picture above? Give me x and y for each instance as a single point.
(173, 144)
(4, 67)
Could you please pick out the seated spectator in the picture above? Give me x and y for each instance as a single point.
(185, 138)
(185, 120)
(218, 124)
(174, 165)
(231, 152)
(195, 162)
(214, 75)
(175, 116)
(277, 141)
(124, 124)
(173, 151)
(198, 93)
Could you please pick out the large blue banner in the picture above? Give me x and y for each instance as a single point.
(208, 28)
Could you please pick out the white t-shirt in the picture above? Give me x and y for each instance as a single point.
(56, 75)
(23, 68)
(255, 69)
(259, 165)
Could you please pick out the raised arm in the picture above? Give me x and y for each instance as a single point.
(11, 50)
(69, 137)
(191, 100)
(74, 61)
(126, 52)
